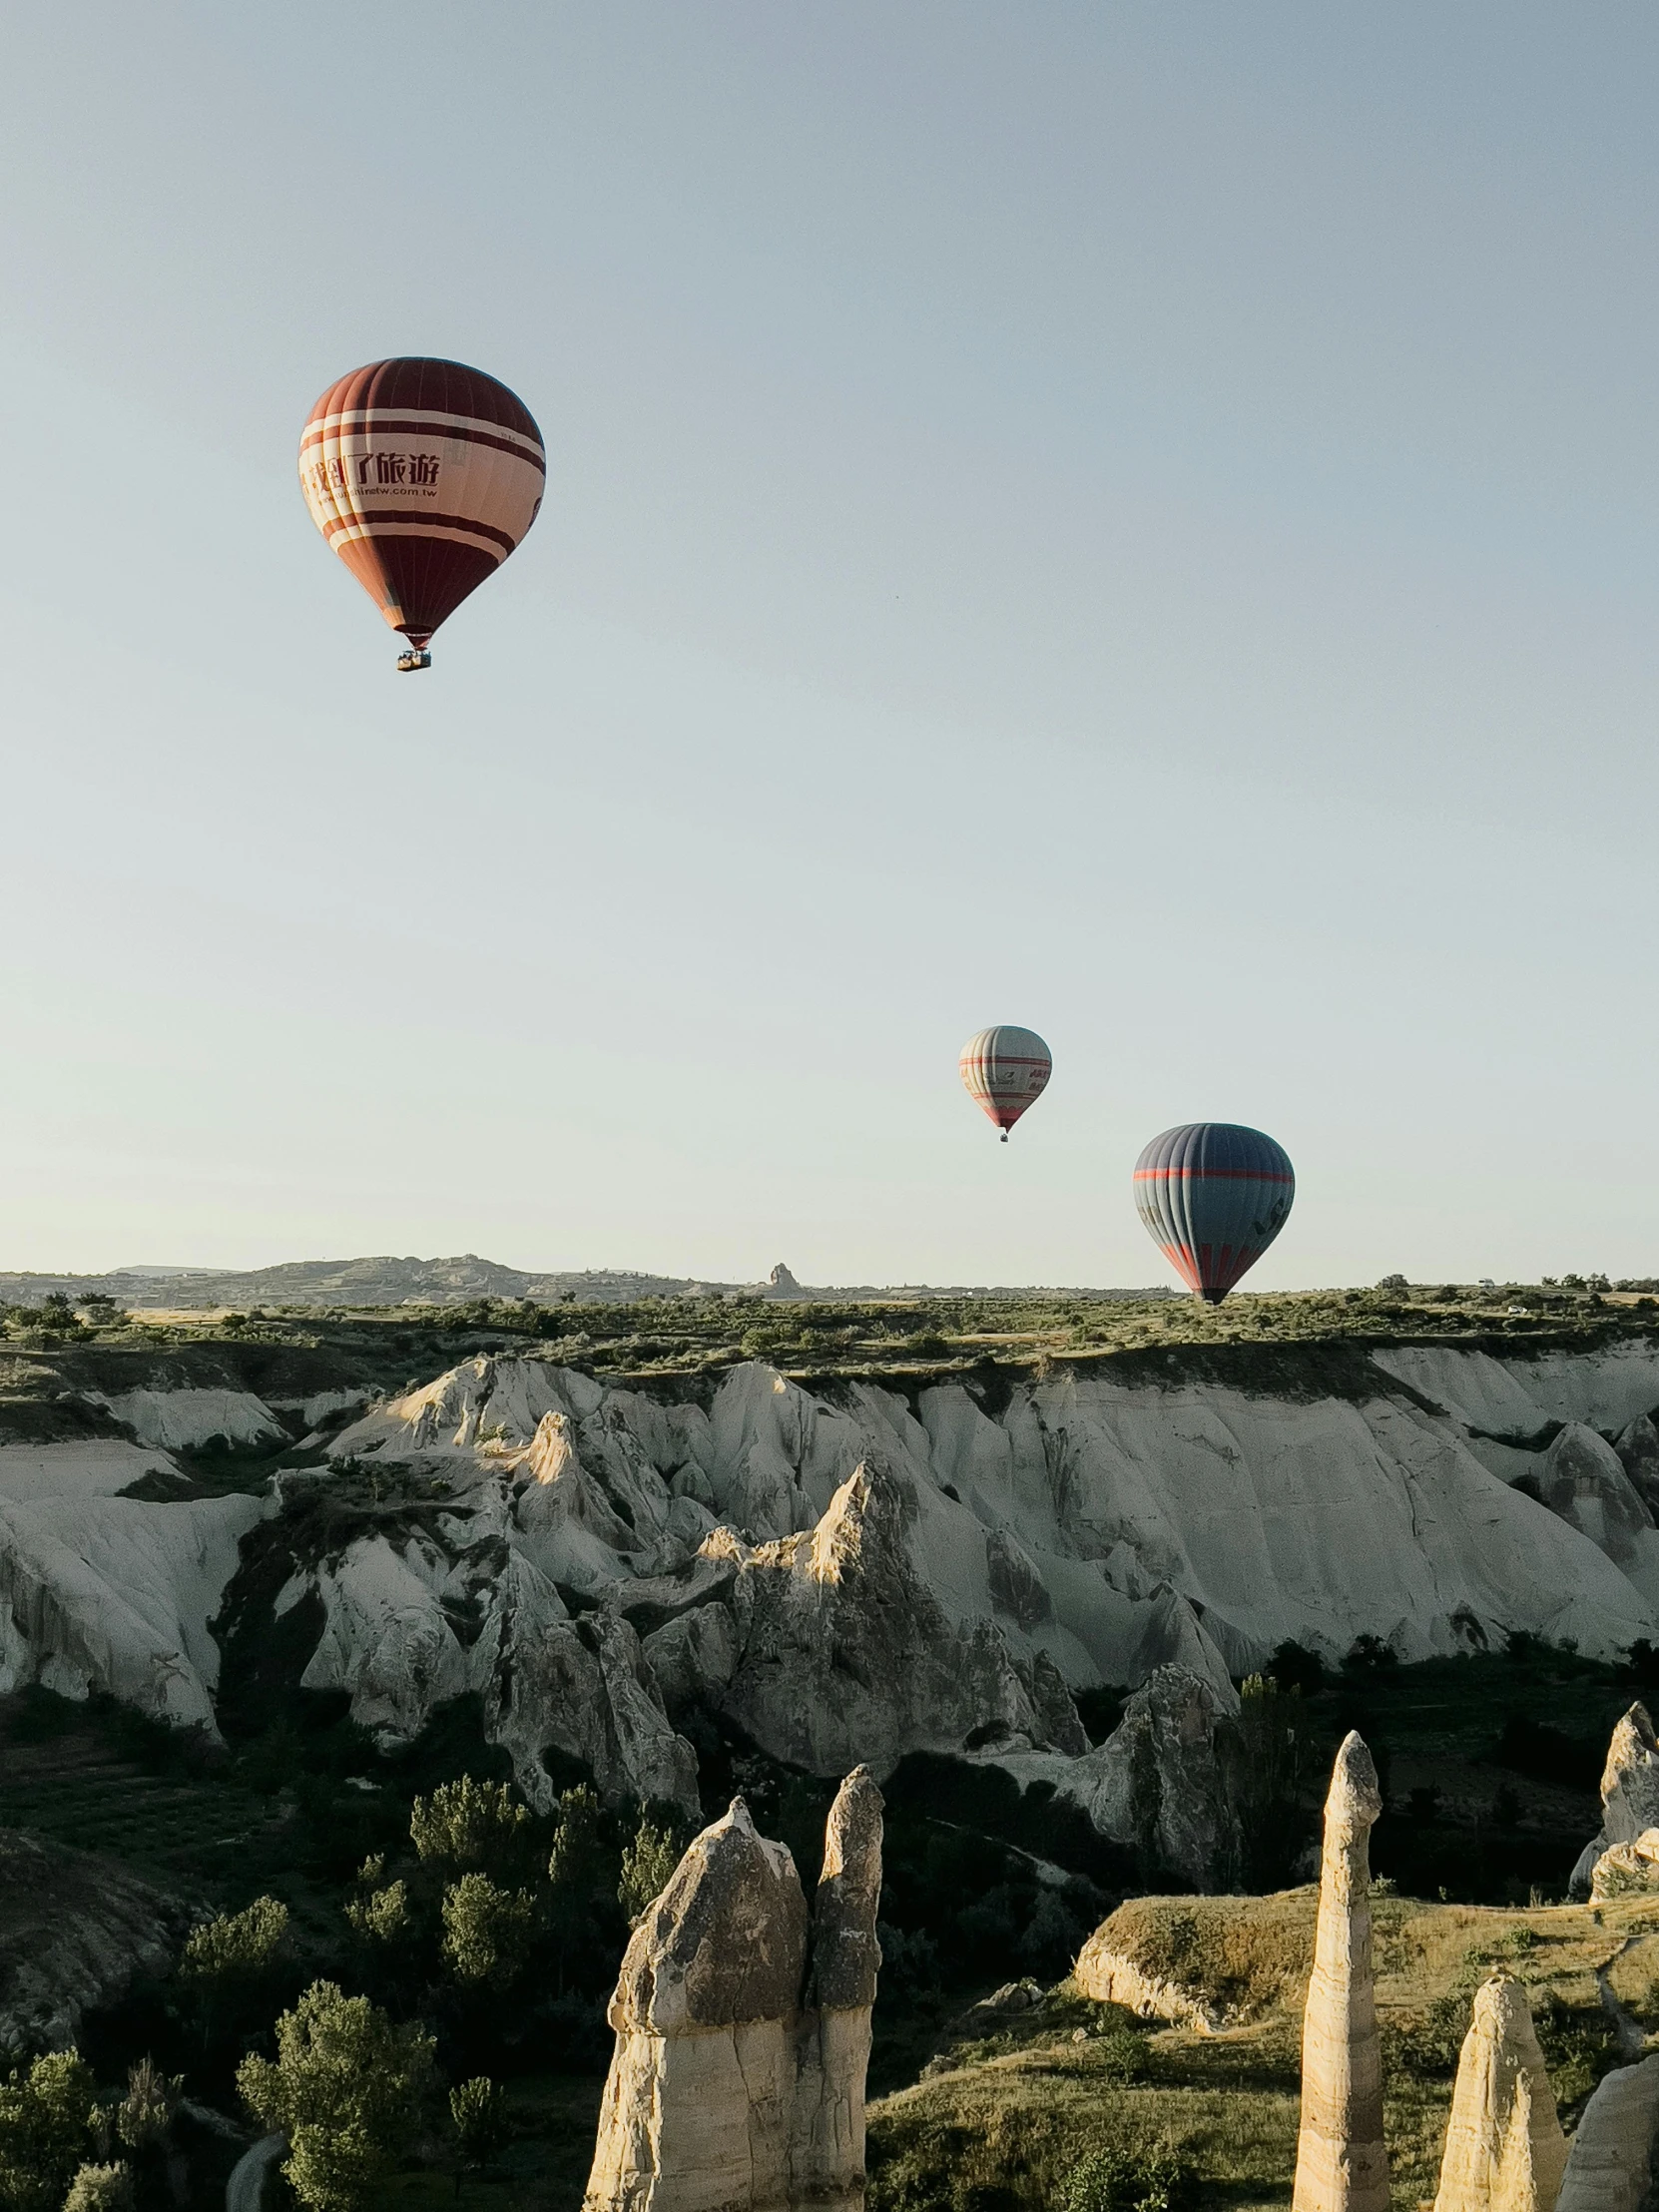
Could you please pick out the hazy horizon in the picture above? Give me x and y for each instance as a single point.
(1130, 521)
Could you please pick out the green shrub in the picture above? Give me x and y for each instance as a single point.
(100, 2189)
(648, 1862)
(479, 2111)
(382, 1916)
(1117, 2180)
(46, 2117)
(467, 1823)
(1123, 2057)
(345, 2088)
(485, 1928)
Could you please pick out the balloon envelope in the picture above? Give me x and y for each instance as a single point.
(1005, 1069)
(422, 476)
(1214, 1195)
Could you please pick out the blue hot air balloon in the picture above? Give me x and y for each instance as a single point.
(1214, 1195)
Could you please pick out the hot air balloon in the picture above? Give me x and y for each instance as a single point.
(1006, 1070)
(423, 477)
(1214, 1195)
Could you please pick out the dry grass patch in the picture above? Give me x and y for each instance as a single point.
(998, 2126)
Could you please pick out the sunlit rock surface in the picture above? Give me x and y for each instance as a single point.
(596, 1563)
(1629, 1793)
(738, 2078)
(1504, 2149)
(114, 1593)
(1341, 2163)
(1610, 2160)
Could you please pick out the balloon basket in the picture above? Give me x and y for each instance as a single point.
(408, 663)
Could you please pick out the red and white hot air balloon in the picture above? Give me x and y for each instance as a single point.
(423, 477)
(1005, 1069)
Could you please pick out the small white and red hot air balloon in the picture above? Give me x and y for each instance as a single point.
(423, 477)
(1004, 1070)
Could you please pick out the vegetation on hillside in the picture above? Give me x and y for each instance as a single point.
(411, 1903)
(54, 1356)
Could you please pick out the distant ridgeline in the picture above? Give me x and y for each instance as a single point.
(413, 1282)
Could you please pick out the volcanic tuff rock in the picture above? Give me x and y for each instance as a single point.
(738, 2080)
(1611, 2159)
(1629, 1791)
(1341, 2163)
(1156, 1781)
(1583, 1480)
(74, 1929)
(581, 1556)
(845, 1652)
(1624, 1868)
(1504, 2149)
(115, 1593)
(1637, 1445)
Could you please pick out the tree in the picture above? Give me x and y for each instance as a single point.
(146, 2113)
(382, 1916)
(579, 1850)
(345, 2088)
(228, 1961)
(647, 1865)
(467, 1823)
(484, 1928)
(45, 2130)
(479, 2113)
(100, 2189)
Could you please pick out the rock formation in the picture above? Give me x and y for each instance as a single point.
(1156, 1783)
(826, 2140)
(1627, 1870)
(1504, 2149)
(849, 1576)
(1109, 1976)
(1341, 2163)
(846, 1654)
(1611, 2158)
(1637, 1445)
(738, 2080)
(1629, 1793)
(116, 1593)
(1582, 1480)
(74, 1927)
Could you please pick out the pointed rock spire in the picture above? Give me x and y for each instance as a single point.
(1341, 2163)
(1504, 2149)
(827, 2156)
(738, 2080)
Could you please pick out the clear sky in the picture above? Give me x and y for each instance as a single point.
(1138, 520)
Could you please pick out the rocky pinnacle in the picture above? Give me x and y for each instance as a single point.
(827, 2148)
(738, 2078)
(1504, 2151)
(1341, 2163)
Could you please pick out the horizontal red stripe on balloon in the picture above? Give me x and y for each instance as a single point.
(356, 426)
(366, 519)
(1209, 1175)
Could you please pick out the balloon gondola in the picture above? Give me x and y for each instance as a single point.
(1213, 1196)
(1004, 1070)
(422, 476)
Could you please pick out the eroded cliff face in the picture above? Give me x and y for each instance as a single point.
(849, 1576)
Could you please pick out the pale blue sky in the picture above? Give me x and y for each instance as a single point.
(1137, 520)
